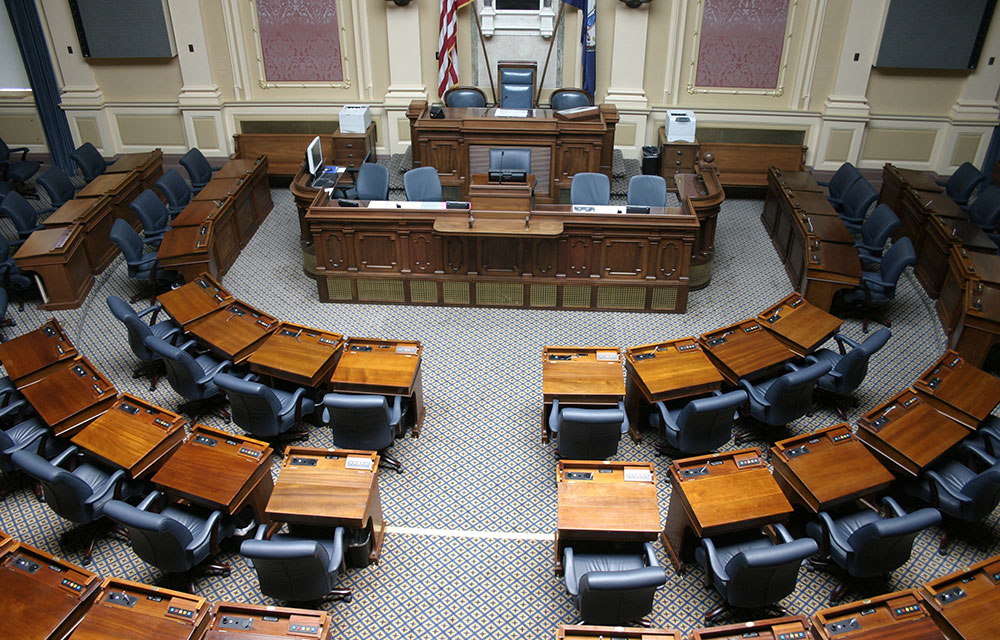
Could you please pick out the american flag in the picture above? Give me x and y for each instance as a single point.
(447, 51)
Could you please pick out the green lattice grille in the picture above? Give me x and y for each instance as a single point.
(664, 298)
(456, 292)
(380, 290)
(576, 295)
(423, 291)
(500, 293)
(543, 295)
(616, 297)
(338, 288)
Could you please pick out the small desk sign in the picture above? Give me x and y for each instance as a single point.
(357, 462)
(638, 475)
(607, 356)
(407, 349)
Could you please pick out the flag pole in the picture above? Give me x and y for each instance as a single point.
(489, 71)
(562, 7)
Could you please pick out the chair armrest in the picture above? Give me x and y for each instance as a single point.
(790, 366)
(62, 457)
(897, 511)
(826, 522)
(858, 244)
(650, 552)
(148, 501)
(395, 412)
(187, 345)
(625, 424)
(251, 377)
(23, 150)
(712, 565)
(13, 407)
(976, 453)
(146, 259)
(225, 364)
(554, 423)
(569, 572)
(261, 533)
(154, 309)
(842, 340)
(754, 394)
(337, 555)
(110, 484)
(783, 533)
(938, 484)
(209, 533)
(297, 403)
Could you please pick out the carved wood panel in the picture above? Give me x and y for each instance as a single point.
(453, 256)
(543, 262)
(500, 256)
(445, 156)
(670, 254)
(335, 250)
(575, 158)
(624, 257)
(377, 251)
(579, 260)
(423, 253)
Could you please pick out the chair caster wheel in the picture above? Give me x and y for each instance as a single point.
(348, 598)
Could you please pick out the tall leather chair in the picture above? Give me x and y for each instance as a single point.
(57, 185)
(23, 215)
(875, 232)
(17, 171)
(422, 185)
(264, 412)
(963, 182)
(517, 84)
(89, 160)
(848, 368)
(298, 569)
(153, 215)
(858, 199)
(866, 545)
(178, 538)
(138, 331)
(881, 287)
(612, 588)
(141, 266)
(844, 178)
(590, 189)
(754, 573)
(985, 211)
(12, 278)
(80, 495)
(192, 376)
(647, 191)
(510, 160)
(464, 97)
(365, 422)
(372, 183)
(587, 434)
(26, 435)
(702, 425)
(569, 98)
(198, 168)
(176, 191)
(778, 401)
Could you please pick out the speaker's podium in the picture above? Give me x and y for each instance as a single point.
(502, 191)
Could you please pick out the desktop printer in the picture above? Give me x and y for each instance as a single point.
(680, 126)
(355, 118)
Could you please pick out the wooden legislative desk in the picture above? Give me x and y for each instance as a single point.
(31, 356)
(959, 390)
(787, 628)
(57, 256)
(965, 269)
(148, 164)
(978, 331)
(892, 616)
(233, 332)
(406, 254)
(95, 216)
(581, 376)
(127, 610)
(236, 621)
(745, 350)
(798, 325)
(195, 300)
(71, 396)
(589, 632)
(298, 354)
(459, 144)
(121, 189)
(967, 602)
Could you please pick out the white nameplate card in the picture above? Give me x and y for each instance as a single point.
(393, 204)
(406, 348)
(607, 356)
(511, 113)
(595, 208)
(357, 462)
(638, 475)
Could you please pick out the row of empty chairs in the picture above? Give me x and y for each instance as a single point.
(563, 98)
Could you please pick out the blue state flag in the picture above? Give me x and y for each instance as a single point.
(588, 38)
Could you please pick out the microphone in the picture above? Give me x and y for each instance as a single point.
(502, 152)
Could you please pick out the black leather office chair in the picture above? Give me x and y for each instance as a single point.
(23, 215)
(510, 160)
(176, 191)
(80, 495)
(754, 573)
(153, 216)
(422, 185)
(984, 212)
(647, 191)
(517, 84)
(198, 168)
(958, 491)
(702, 425)
(16, 171)
(866, 545)
(460, 96)
(264, 412)
(12, 278)
(365, 422)
(178, 538)
(587, 434)
(986, 437)
(57, 185)
(777, 401)
(29, 434)
(569, 98)
(842, 180)
(858, 199)
(590, 189)
(90, 161)
(881, 287)
(875, 233)
(141, 266)
(298, 569)
(4, 320)
(138, 331)
(192, 376)
(963, 182)
(847, 368)
(372, 184)
(613, 588)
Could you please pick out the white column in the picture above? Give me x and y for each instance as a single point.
(406, 81)
(978, 101)
(628, 63)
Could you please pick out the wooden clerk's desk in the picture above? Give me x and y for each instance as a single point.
(298, 354)
(233, 332)
(194, 300)
(58, 258)
(596, 502)
(901, 615)
(133, 435)
(219, 470)
(827, 468)
(316, 489)
(786, 628)
(501, 196)
(236, 621)
(32, 356)
(586, 376)
(967, 602)
(745, 350)
(148, 164)
(71, 396)
(956, 388)
(590, 632)
(95, 216)
(127, 610)
(383, 367)
(41, 596)
(719, 493)
(799, 325)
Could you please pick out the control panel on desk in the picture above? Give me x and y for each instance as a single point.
(894, 410)
(593, 472)
(262, 622)
(143, 412)
(49, 570)
(939, 374)
(718, 464)
(149, 600)
(979, 580)
(672, 348)
(873, 617)
(811, 443)
(226, 443)
(788, 628)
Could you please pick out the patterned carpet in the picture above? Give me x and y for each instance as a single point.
(469, 551)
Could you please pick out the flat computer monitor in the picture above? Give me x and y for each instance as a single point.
(314, 156)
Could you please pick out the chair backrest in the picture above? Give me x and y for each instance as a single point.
(858, 199)
(255, 407)
(359, 421)
(373, 182)
(292, 570)
(158, 539)
(963, 182)
(183, 371)
(791, 394)
(843, 179)
(197, 166)
(22, 214)
(4, 151)
(879, 226)
(57, 185)
(884, 545)
(569, 98)
(618, 597)
(422, 185)
(899, 256)
(983, 492)
(590, 188)
(136, 328)
(174, 189)
(125, 237)
(510, 160)
(589, 434)
(985, 211)
(707, 423)
(89, 160)
(647, 191)
(151, 212)
(853, 366)
(762, 576)
(65, 493)
(464, 97)
(517, 84)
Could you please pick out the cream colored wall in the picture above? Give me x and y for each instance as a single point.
(899, 92)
